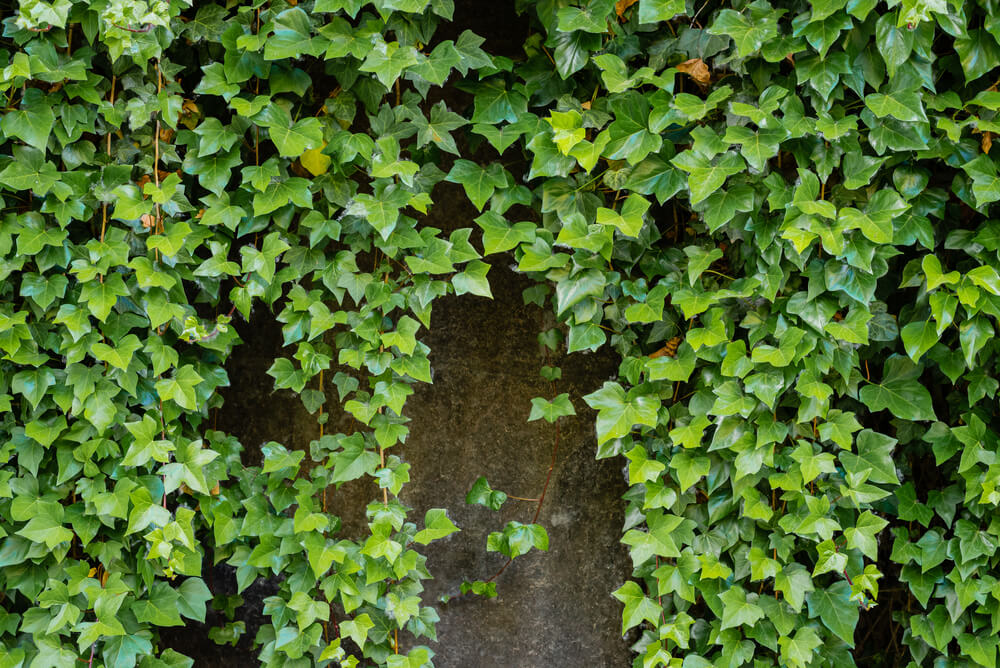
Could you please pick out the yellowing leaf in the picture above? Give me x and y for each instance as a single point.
(315, 160)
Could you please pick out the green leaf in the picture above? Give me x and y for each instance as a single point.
(797, 651)
(45, 529)
(739, 608)
(387, 60)
(499, 236)
(436, 525)
(874, 456)
(704, 176)
(518, 539)
(101, 297)
(479, 183)
(551, 410)
(279, 193)
(33, 122)
(473, 280)
(980, 648)
(748, 32)
(485, 495)
(904, 105)
(834, 607)
(618, 411)
(638, 607)
(862, 535)
(918, 338)
(978, 53)
(757, 147)
(651, 11)
(630, 220)
(900, 392)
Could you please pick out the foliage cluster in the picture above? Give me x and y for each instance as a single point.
(777, 213)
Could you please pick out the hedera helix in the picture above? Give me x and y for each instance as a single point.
(777, 214)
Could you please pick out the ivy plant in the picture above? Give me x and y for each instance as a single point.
(778, 215)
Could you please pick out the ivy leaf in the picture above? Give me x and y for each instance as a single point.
(748, 32)
(33, 122)
(551, 410)
(518, 539)
(757, 147)
(629, 136)
(279, 193)
(484, 495)
(495, 103)
(618, 411)
(181, 387)
(436, 525)
(29, 171)
(45, 529)
(652, 11)
(357, 628)
(862, 535)
(981, 649)
(797, 650)
(638, 607)
(739, 608)
(438, 128)
(473, 280)
(874, 457)
(630, 220)
(918, 338)
(876, 223)
(904, 105)
(387, 60)
(101, 297)
(478, 182)
(354, 460)
(795, 583)
(380, 210)
(978, 53)
(900, 392)
(291, 138)
(499, 236)
(704, 176)
(834, 607)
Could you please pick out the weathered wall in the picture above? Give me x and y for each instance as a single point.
(553, 609)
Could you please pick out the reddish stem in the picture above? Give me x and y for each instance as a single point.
(146, 28)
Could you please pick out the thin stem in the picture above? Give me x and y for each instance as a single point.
(321, 405)
(158, 223)
(104, 207)
(548, 477)
(499, 572)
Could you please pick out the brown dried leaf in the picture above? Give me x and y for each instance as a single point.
(987, 142)
(622, 5)
(147, 220)
(670, 349)
(697, 70)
